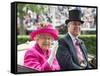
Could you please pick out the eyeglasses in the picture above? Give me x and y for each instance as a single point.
(45, 37)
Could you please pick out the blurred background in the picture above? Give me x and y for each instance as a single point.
(30, 15)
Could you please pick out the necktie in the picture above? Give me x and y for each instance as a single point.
(78, 51)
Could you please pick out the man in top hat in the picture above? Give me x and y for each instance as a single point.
(72, 53)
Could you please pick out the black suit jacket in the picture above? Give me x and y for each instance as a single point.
(66, 54)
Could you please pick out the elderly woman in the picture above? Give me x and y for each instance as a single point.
(40, 57)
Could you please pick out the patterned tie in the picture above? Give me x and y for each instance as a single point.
(79, 51)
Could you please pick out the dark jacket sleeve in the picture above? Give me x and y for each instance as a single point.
(64, 58)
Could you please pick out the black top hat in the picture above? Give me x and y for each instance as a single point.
(74, 15)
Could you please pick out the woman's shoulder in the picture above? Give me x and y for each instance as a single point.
(31, 51)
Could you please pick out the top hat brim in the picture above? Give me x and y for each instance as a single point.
(67, 21)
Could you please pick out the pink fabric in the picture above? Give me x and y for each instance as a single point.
(48, 29)
(79, 52)
(36, 59)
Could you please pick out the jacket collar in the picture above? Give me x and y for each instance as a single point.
(40, 50)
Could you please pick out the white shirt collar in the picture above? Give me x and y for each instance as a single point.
(72, 37)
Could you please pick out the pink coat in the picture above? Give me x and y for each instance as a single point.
(36, 58)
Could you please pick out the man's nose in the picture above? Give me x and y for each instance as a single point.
(77, 25)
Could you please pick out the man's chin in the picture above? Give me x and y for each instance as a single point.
(76, 34)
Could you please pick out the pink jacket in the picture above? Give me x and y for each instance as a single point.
(36, 58)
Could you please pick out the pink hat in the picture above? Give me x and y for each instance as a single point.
(45, 28)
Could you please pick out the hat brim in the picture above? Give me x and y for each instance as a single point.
(52, 32)
(67, 21)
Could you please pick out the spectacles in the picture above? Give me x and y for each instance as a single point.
(45, 37)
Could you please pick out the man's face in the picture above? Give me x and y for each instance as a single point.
(74, 27)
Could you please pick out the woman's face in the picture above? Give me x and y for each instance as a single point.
(44, 41)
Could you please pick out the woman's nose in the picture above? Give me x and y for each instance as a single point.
(47, 40)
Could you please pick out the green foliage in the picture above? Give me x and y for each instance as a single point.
(89, 40)
(22, 39)
(35, 8)
(23, 8)
(20, 11)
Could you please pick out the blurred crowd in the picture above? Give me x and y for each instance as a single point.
(57, 16)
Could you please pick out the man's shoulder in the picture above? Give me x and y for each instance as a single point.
(65, 38)
(62, 41)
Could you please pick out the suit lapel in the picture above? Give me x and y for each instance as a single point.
(83, 50)
(71, 48)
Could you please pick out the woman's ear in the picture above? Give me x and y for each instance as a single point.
(36, 38)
